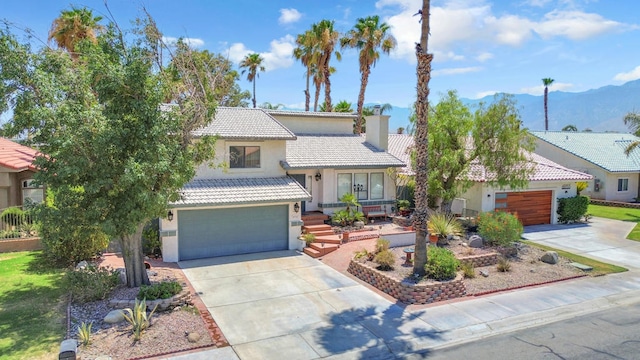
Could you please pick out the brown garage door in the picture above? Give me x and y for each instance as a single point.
(532, 207)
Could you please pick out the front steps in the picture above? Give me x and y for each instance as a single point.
(326, 241)
(314, 218)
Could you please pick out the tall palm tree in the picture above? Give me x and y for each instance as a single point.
(546, 82)
(73, 26)
(632, 120)
(252, 63)
(368, 35)
(421, 142)
(307, 53)
(326, 38)
(343, 107)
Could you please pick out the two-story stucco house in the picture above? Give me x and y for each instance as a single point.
(277, 165)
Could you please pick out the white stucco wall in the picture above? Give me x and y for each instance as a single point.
(170, 235)
(330, 187)
(610, 187)
(271, 153)
(316, 124)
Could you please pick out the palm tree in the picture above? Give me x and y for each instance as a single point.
(421, 142)
(368, 110)
(368, 35)
(343, 107)
(632, 120)
(73, 26)
(307, 53)
(269, 106)
(570, 127)
(252, 63)
(546, 82)
(326, 38)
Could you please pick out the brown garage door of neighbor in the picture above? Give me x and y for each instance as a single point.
(532, 207)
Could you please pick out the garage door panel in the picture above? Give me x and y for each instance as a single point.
(221, 232)
(531, 207)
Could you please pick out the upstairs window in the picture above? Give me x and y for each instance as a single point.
(242, 157)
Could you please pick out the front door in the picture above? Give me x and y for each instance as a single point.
(300, 178)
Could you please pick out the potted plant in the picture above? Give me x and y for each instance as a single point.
(403, 207)
(442, 225)
(309, 238)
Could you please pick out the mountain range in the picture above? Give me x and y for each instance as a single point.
(600, 110)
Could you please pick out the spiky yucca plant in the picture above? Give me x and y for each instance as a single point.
(138, 318)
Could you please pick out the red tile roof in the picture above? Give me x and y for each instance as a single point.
(16, 156)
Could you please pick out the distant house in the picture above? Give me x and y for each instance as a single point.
(280, 165)
(535, 205)
(16, 175)
(616, 175)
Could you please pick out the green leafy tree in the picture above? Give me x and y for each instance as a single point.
(113, 151)
(73, 26)
(491, 137)
(368, 35)
(632, 120)
(423, 72)
(252, 63)
(546, 82)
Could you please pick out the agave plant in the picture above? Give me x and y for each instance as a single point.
(443, 225)
(138, 318)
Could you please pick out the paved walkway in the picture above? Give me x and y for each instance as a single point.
(285, 305)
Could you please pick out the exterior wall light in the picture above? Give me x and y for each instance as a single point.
(170, 215)
(296, 207)
(318, 176)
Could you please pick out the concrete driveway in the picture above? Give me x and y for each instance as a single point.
(601, 239)
(286, 305)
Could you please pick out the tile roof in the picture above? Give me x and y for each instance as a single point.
(204, 192)
(245, 124)
(16, 156)
(605, 150)
(400, 146)
(336, 151)
(314, 114)
(545, 169)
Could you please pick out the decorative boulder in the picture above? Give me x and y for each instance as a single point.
(114, 316)
(484, 273)
(476, 241)
(550, 257)
(194, 337)
(122, 275)
(82, 265)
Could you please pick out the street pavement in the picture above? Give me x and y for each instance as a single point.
(284, 304)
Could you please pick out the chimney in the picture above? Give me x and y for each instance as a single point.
(378, 129)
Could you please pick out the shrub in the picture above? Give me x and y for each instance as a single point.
(468, 270)
(385, 259)
(499, 228)
(138, 318)
(443, 225)
(504, 265)
(362, 254)
(90, 284)
(581, 186)
(309, 238)
(340, 218)
(84, 333)
(441, 264)
(572, 209)
(163, 290)
(382, 244)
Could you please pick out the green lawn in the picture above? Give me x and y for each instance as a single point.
(619, 213)
(599, 268)
(32, 308)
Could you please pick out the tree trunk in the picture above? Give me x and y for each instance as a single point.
(254, 92)
(421, 143)
(546, 118)
(317, 97)
(134, 258)
(307, 95)
(364, 80)
(327, 89)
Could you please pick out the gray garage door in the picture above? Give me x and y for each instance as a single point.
(221, 232)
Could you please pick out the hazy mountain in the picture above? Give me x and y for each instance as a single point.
(599, 109)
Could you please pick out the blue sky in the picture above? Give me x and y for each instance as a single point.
(480, 47)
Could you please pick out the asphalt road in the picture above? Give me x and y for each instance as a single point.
(610, 334)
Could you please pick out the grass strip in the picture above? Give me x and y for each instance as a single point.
(618, 213)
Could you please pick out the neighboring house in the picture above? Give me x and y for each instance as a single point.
(277, 166)
(616, 175)
(16, 175)
(535, 205)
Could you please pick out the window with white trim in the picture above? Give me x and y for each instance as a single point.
(623, 184)
(377, 186)
(361, 186)
(344, 185)
(241, 157)
(31, 193)
(366, 186)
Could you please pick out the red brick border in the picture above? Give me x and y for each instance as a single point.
(26, 244)
(406, 292)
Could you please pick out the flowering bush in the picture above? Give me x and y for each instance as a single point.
(499, 228)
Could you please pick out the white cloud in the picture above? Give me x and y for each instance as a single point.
(539, 89)
(288, 16)
(482, 94)
(456, 71)
(192, 42)
(575, 25)
(628, 76)
(510, 29)
(280, 54)
(484, 56)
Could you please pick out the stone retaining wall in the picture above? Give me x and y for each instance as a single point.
(481, 260)
(26, 244)
(182, 298)
(405, 292)
(615, 203)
